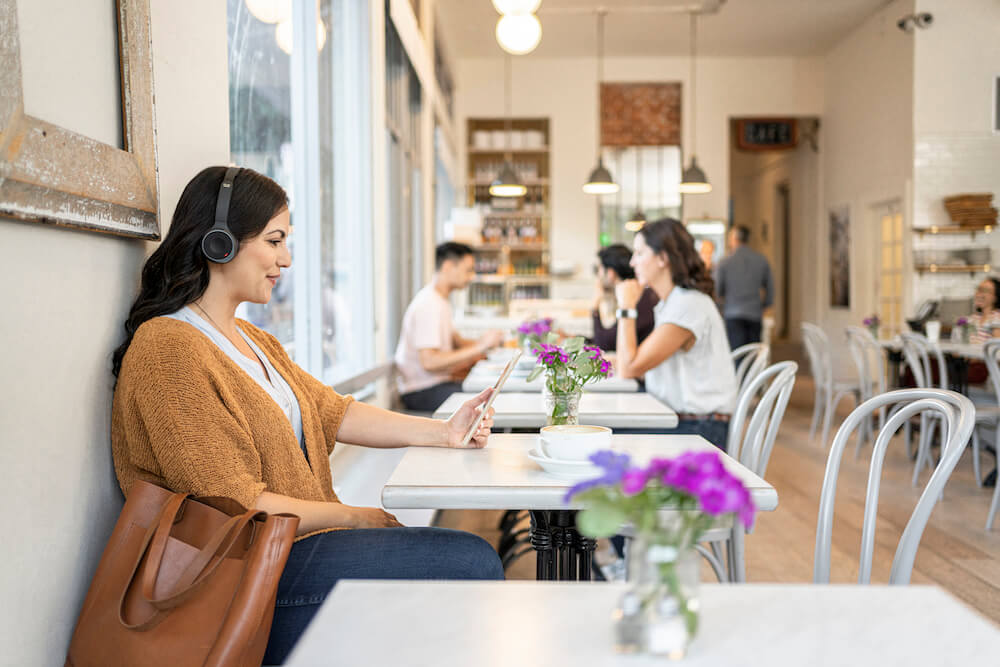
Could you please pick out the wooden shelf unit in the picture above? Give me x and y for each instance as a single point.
(506, 222)
(971, 269)
(955, 229)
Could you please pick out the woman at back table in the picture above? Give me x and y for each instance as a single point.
(209, 404)
(686, 359)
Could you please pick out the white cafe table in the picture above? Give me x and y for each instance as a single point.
(614, 410)
(502, 477)
(494, 624)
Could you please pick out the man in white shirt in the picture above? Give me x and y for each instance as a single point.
(430, 355)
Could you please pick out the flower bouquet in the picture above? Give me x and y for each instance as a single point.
(567, 369)
(663, 565)
(966, 327)
(873, 324)
(533, 332)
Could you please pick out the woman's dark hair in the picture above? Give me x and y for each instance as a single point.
(996, 291)
(687, 269)
(617, 257)
(177, 272)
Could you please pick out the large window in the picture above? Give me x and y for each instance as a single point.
(301, 116)
(403, 179)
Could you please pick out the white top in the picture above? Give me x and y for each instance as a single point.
(701, 380)
(611, 409)
(494, 624)
(501, 476)
(273, 384)
(427, 325)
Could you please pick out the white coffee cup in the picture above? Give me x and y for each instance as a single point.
(933, 329)
(573, 442)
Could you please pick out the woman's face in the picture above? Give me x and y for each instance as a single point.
(647, 264)
(255, 270)
(985, 297)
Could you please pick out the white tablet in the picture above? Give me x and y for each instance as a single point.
(489, 402)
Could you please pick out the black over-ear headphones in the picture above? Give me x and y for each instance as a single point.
(218, 244)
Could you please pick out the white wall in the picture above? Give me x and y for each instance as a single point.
(565, 90)
(957, 59)
(866, 141)
(67, 296)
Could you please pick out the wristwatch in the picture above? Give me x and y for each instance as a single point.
(626, 313)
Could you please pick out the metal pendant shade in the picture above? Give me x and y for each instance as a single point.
(694, 181)
(506, 183)
(600, 181)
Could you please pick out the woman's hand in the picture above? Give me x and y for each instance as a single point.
(628, 293)
(459, 423)
(373, 517)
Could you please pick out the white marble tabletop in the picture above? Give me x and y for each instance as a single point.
(501, 476)
(614, 410)
(494, 624)
(954, 348)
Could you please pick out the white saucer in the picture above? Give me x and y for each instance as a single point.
(563, 468)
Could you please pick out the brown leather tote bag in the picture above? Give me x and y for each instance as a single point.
(183, 583)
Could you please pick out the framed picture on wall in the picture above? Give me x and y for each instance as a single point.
(840, 257)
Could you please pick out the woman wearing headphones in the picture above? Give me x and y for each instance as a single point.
(210, 405)
(685, 359)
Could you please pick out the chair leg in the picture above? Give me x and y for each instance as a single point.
(994, 505)
(737, 565)
(818, 402)
(975, 458)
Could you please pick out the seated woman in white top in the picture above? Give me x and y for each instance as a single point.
(686, 360)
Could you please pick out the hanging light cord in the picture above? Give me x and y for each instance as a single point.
(694, 39)
(507, 104)
(600, 73)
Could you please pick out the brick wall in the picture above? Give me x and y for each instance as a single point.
(640, 114)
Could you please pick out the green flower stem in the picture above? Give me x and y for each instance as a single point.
(668, 575)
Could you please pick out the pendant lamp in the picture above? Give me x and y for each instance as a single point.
(507, 183)
(600, 181)
(693, 180)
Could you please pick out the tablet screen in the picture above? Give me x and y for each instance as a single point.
(489, 402)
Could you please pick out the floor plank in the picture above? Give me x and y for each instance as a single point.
(955, 552)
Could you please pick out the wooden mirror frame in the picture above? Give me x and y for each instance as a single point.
(53, 175)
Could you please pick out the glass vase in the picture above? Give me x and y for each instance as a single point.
(561, 407)
(665, 579)
(874, 331)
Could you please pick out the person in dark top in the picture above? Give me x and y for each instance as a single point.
(613, 268)
(744, 287)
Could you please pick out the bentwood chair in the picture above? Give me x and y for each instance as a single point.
(750, 360)
(958, 415)
(752, 431)
(829, 391)
(989, 415)
(870, 364)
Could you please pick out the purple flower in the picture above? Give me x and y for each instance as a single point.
(634, 481)
(614, 466)
(962, 321)
(605, 368)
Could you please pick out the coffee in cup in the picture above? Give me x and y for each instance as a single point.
(573, 442)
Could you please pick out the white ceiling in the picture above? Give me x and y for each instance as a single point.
(740, 28)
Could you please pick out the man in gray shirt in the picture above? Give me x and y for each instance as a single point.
(744, 287)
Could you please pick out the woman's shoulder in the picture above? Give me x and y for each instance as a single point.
(163, 333)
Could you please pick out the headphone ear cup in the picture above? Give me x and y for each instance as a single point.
(219, 246)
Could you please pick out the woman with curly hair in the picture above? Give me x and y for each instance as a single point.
(686, 359)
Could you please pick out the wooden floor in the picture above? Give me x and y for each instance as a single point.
(956, 553)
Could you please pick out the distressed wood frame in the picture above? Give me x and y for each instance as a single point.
(52, 175)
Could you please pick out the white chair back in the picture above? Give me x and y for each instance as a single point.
(917, 352)
(750, 360)
(818, 349)
(990, 351)
(868, 360)
(752, 434)
(958, 414)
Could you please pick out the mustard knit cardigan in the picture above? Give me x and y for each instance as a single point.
(187, 418)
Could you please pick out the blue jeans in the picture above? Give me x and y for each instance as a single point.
(716, 432)
(318, 562)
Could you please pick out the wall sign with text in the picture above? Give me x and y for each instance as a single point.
(766, 134)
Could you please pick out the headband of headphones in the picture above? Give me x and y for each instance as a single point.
(219, 245)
